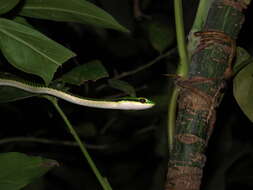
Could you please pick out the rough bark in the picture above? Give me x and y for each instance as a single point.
(201, 92)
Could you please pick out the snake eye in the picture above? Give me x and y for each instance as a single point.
(142, 100)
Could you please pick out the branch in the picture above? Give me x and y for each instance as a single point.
(134, 71)
(212, 46)
(48, 141)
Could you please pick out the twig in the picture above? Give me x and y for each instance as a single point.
(134, 71)
(160, 57)
(182, 69)
(48, 141)
(104, 183)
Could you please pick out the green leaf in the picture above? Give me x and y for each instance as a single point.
(7, 5)
(243, 58)
(161, 35)
(18, 170)
(243, 90)
(93, 70)
(80, 11)
(22, 20)
(31, 51)
(123, 86)
(10, 94)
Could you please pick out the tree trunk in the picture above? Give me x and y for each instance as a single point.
(212, 48)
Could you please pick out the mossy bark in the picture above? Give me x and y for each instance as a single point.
(200, 94)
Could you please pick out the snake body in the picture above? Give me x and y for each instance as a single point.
(120, 104)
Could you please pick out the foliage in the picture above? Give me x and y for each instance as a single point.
(76, 45)
(19, 169)
(93, 70)
(30, 51)
(30, 31)
(243, 90)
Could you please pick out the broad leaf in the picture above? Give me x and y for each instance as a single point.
(161, 35)
(7, 5)
(243, 58)
(243, 90)
(93, 70)
(123, 86)
(18, 170)
(22, 20)
(80, 11)
(10, 94)
(31, 51)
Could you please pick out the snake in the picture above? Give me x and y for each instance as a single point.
(125, 103)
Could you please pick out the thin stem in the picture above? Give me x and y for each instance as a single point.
(160, 57)
(100, 178)
(48, 141)
(138, 69)
(182, 69)
(181, 41)
(172, 116)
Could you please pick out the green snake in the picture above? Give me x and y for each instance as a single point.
(129, 103)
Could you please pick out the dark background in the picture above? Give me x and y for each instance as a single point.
(134, 143)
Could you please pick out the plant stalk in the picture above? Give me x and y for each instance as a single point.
(104, 183)
(182, 69)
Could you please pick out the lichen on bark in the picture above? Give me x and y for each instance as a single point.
(212, 52)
